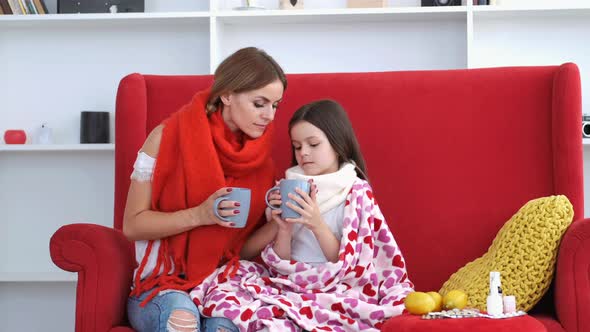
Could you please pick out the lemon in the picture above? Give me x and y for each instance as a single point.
(455, 299)
(438, 302)
(419, 303)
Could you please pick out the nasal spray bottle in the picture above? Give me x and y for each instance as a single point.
(495, 304)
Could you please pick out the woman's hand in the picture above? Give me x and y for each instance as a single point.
(204, 214)
(309, 209)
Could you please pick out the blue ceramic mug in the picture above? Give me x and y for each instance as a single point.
(285, 187)
(241, 195)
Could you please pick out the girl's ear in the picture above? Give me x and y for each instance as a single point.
(226, 98)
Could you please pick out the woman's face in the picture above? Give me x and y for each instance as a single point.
(251, 111)
(313, 151)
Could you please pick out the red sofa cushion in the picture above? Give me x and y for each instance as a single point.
(413, 323)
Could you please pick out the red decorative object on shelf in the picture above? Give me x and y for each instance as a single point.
(15, 136)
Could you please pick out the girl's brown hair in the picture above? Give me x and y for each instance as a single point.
(330, 117)
(247, 69)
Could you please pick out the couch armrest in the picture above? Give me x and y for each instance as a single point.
(572, 284)
(103, 258)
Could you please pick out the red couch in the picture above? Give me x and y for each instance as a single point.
(451, 156)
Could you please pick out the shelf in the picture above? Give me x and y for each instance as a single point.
(581, 10)
(305, 15)
(57, 147)
(342, 15)
(38, 276)
(269, 16)
(124, 18)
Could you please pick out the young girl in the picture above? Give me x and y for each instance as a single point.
(337, 267)
(326, 153)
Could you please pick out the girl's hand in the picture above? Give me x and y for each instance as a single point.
(204, 215)
(309, 210)
(274, 199)
(284, 226)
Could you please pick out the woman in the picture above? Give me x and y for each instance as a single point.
(221, 139)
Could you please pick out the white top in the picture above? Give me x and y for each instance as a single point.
(333, 188)
(304, 245)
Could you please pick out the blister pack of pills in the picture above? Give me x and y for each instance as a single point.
(469, 313)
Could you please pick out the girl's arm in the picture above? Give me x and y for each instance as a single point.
(312, 219)
(258, 240)
(265, 234)
(282, 245)
(328, 242)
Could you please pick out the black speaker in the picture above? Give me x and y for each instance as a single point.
(95, 127)
(95, 6)
(430, 3)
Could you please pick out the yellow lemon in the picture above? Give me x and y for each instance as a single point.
(455, 299)
(419, 303)
(438, 302)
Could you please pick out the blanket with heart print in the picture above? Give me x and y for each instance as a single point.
(364, 288)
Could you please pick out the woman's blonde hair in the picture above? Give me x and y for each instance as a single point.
(247, 69)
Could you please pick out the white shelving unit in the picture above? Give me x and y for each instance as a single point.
(57, 147)
(43, 188)
(55, 66)
(38, 276)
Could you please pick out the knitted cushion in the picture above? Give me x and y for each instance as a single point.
(524, 252)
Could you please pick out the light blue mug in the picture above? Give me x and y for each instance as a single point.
(241, 195)
(285, 187)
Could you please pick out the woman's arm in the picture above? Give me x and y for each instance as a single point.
(141, 223)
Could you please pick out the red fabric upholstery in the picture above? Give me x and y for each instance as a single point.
(451, 156)
(550, 323)
(121, 329)
(572, 284)
(412, 323)
(104, 261)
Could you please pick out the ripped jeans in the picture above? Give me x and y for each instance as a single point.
(172, 311)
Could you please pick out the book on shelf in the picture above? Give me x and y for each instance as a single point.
(41, 8)
(23, 7)
(5, 7)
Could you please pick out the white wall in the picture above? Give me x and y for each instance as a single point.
(37, 306)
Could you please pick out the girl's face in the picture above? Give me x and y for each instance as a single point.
(313, 151)
(252, 111)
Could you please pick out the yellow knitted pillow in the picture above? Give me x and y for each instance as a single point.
(524, 252)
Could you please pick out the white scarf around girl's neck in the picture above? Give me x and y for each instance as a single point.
(332, 188)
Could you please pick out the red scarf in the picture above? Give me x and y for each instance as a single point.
(198, 155)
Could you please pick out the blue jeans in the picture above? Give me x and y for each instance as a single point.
(154, 316)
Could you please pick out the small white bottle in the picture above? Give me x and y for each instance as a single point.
(495, 305)
(44, 135)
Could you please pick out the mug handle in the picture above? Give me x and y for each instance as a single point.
(266, 198)
(218, 200)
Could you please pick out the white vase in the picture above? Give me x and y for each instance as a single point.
(288, 4)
